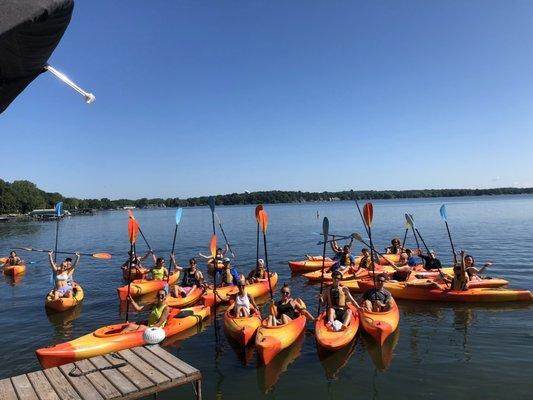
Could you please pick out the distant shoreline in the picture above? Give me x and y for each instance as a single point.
(22, 197)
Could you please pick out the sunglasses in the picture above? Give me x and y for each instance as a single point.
(284, 292)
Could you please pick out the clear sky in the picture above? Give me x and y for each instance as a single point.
(210, 97)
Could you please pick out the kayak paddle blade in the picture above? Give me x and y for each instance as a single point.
(59, 209)
(409, 221)
(443, 213)
(211, 202)
(130, 214)
(325, 227)
(213, 246)
(133, 230)
(263, 221)
(179, 211)
(368, 214)
(102, 256)
(257, 209)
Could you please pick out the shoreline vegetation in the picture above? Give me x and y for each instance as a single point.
(22, 197)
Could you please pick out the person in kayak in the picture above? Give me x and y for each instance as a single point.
(459, 280)
(366, 260)
(395, 247)
(472, 271)
(335, 298)
(219, 257)
(377, 299)
(259, 273)
(229, 275)
(402, 272)
(192, 278)
(287, 309)
(158, 314)
(430, 260)
(244, 302)
(63, 275)
(343, 257)
(13, 259)
(137, 267)
(159, 272)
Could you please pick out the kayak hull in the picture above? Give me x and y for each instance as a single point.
(143, 286)
(309, 265)
(110, 338)
(331, 340)
(241, 329)
(13, 270)
(269, 341)
(255, 290)
(380, 325)
(180, 302)
(65, 303)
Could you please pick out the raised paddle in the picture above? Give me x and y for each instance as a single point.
(415, 229)
(179, 211)
(58, 211)
(411, 222)
(130, 214)
(100, 256)
(359, 209)
(368, 215)
(407, 227)
(263, 221)
(133, 231)
(444, 217)
(325, 229)
(224, 235)
(213, 247)
(257, 209)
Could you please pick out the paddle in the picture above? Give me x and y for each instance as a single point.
(224, 235)
(263, 221)
(415, 229)
(100, 256)
(336, 239)
(409, 220)
(257, 209)
(179, 211)
(360, 214)
(133, 231)
(444, 217)
(407, 227)
(213, 247)
(368, 215)
(325, 229)
(130, 214)
(58, 210)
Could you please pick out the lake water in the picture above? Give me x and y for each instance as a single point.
(439, 351)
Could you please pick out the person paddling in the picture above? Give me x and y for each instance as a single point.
(192, 278)
(460, 279)
(63, 275)
(377, 298)
(13, 259)
(335, 298)
(219, 257)
(158, 314)
(287, 309)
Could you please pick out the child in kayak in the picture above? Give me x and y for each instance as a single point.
(366, 260)
(244, 302)
(158, 315)
(335, 298)
(376, 299)
(287, 309)
(63, 275)
(459, 280)
(259, 273)
(192, 278)
(159, 272)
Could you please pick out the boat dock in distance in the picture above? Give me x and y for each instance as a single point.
(127, 374)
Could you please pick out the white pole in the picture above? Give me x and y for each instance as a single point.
(89, 97)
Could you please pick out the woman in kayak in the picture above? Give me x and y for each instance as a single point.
(13, 259)
(259, 273)
(366, 260)
(395, 247)
(377, 299)
(244, 302)
(219, 257)
(335, 298)
(430, 260)
(137, 267)
(471, 270)
(459, 280)
(63, 275)
(343, 257)
(159, 272)
(158, 315)
(287, 309)
(192, 278)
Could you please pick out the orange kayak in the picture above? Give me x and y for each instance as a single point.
(143, 286)
(110, 338)
(331, 340)
(269, 341)
(316, 276)
(310, 265)
(192, 298)
(380, 324)
(65, 303)
(242, 329)
(13, 270)
(410, 291)
(255, 290)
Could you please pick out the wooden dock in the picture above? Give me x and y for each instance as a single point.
(128, 374)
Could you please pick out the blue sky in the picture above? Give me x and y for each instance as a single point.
(206, 97)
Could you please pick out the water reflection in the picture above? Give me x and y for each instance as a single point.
(334, 361)
(381, 355)
(63, 321)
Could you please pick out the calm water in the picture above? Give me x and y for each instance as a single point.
(440, 350)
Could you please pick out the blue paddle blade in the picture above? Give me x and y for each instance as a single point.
(443, 213)
(211, 202)
(59, 209)
(179, 211)
(325, 227)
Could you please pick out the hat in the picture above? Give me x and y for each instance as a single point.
(225, 260)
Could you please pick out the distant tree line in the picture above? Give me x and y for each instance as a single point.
(24, 196)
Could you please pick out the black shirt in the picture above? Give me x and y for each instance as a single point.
(430, 263)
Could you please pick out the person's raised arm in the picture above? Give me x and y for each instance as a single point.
(174, 263)
(350, 297)
(134, 304)
(53, 265)
(204, 256)
(77, 261)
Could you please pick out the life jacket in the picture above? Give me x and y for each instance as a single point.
(285, 309)
(159, 273)
(337, 296)
(155, 315)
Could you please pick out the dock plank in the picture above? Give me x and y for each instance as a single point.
(63, 388)
(176, 362)
(121, 382)
(136, 377)
(142, 366)
(42, 387)
(23, 387)
(99, 381)
(7, 391)
(158, 363)
(82, 385)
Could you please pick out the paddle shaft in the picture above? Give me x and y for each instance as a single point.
(367, 229)
(215, 265)
(451, 243)
(372, 255)
(57, 237)
(322, 278)
(266, 264)
(172, 252)
(144, 238)
(405, 237)
(422, 239)
(257, 246)
(55, 252)
(130, 262)
(226, 239)
(416, 238)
